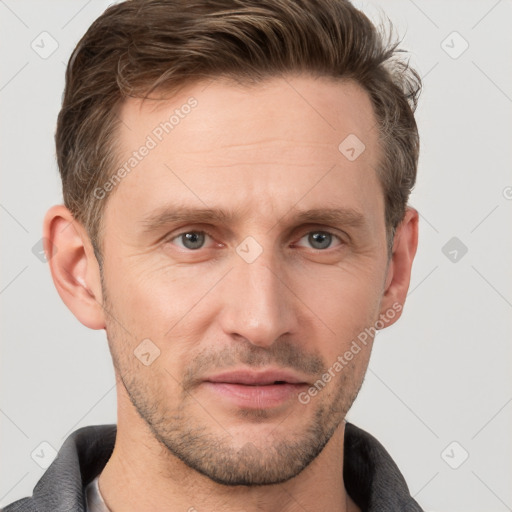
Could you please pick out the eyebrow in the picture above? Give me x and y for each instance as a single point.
(166, 216)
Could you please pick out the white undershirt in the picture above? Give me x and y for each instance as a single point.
(93, 499)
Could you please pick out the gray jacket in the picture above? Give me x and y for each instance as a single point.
(371, 477)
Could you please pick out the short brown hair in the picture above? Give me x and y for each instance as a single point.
(140, 46)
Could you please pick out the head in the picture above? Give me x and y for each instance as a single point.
(235, 180)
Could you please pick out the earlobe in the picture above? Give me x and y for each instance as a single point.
(399, 272)
(73, 266)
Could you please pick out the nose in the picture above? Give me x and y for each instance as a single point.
(257, 303)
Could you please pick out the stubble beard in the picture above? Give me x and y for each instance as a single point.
(275, 459)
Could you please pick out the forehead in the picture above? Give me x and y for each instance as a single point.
(316, 110)
(261, 148)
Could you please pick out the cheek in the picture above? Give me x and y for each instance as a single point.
(342, 301)
(174, 305)
(165, 304)
(154, 296)
(347, 290)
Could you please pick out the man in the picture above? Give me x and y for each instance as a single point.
(235, 178)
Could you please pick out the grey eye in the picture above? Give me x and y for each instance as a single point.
(192, 240)
(320, 239)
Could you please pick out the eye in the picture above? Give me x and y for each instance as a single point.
(191, 240)
(321, 239)
(195, 240)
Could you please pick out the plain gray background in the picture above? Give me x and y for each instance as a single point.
(438, 388)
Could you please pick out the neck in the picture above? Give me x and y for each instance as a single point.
(143, 475)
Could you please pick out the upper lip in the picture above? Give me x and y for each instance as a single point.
(256, 378)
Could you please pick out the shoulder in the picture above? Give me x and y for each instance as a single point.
(81, 457)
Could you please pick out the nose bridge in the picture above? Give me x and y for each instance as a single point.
(256, 303)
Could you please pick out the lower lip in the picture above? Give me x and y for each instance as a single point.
(256, 397)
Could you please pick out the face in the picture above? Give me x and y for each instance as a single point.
(249, 253)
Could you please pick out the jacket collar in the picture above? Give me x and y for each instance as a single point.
(371, 477)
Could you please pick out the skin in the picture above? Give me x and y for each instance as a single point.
(264, 152)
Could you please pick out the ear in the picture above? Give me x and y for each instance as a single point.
(73, 265)
(398, 276)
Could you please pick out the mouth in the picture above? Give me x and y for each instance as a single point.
(252, 378)
(251, 389)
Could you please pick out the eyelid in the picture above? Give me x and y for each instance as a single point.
(323, 230)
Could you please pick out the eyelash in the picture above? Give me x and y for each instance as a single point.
(176, 236)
